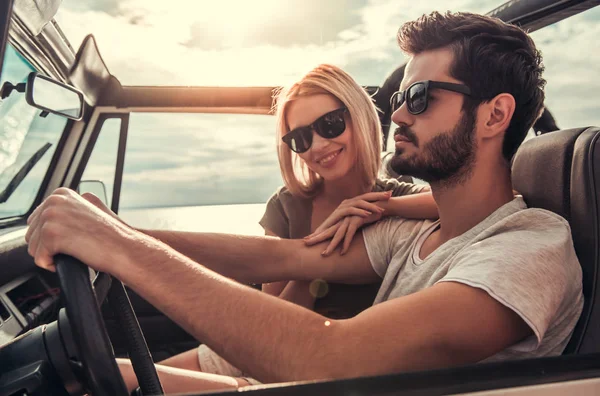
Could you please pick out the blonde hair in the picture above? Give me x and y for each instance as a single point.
(366, 139)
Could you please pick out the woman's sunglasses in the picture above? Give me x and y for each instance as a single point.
(328, 126)
(417, 95)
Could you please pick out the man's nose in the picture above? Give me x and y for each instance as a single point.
(401, 116)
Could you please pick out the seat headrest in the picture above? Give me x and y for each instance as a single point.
(541, 171)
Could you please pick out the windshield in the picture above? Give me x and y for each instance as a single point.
(27, 141)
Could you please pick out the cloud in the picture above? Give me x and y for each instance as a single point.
(279, 25)
(571, 53)
(110, 7)
(267, 42)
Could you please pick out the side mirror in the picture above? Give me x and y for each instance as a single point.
(54, 97)
(95, 187)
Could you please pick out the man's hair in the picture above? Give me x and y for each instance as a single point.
(490, 57)
(367, 136)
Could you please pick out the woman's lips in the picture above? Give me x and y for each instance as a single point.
(329, 159)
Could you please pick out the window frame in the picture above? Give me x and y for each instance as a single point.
(121, 148)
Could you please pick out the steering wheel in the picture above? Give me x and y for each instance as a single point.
(94, 349)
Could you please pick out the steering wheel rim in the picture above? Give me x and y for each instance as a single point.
(94, 348)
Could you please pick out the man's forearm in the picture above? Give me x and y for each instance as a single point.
(265, 259)
(210, 306)
(246, 259)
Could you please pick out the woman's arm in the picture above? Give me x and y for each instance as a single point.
(353, 214)
(299, 293)
(414, 206)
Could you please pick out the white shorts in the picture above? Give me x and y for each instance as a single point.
(212, 363)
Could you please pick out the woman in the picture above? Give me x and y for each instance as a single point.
(329, 151)
(329, 146)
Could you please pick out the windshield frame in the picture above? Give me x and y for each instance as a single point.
(60, 134)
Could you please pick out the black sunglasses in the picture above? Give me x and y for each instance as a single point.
(328, 126)
(417, 95)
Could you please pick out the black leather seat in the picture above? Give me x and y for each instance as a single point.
(560, 172)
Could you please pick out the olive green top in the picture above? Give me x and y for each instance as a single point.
(288, 216)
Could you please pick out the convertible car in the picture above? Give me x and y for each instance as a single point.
(66, 120)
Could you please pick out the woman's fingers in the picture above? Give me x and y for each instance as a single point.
(355, 224)
(337, 225)
(368, 206)
(340, 214)
(322, 236)
(337, 238)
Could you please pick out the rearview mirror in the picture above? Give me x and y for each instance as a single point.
(95, 187)
(54, 97)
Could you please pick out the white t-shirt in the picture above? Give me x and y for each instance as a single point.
(523, 258)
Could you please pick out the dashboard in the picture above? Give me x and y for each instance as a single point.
(28, 296)
(25, 303)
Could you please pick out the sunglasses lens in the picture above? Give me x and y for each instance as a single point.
(299, 140)
(397, 100)
(417, 98)
(331, 125)
(328, 126)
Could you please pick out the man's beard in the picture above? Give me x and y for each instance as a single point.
(449, 157)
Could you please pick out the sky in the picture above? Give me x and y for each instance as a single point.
(207, 159)
(263, 42)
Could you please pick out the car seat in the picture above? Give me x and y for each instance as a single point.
(560, 172)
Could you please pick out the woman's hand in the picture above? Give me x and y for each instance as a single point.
(350, 216)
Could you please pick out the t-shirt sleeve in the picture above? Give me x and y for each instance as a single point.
(400, 188)
(529, 267)
(275, 219)
(385, 238)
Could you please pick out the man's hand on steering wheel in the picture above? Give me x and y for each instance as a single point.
(67, 223)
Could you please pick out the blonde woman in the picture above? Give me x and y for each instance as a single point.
(329, 147)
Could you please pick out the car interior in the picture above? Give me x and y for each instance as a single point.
(60, 333)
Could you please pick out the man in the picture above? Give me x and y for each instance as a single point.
(491, 280)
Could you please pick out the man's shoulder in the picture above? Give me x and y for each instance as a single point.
(394, 228)
(400, 222)
(535, 220)
(525, 237)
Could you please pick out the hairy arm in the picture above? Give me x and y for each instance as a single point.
(266, 259)
(274, 340)
(273, 288)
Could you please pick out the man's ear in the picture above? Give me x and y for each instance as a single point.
(497, 114)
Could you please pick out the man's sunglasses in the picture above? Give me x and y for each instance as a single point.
(328, 126)
(417, 95)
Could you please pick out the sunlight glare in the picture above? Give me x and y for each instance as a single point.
(228, 20)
